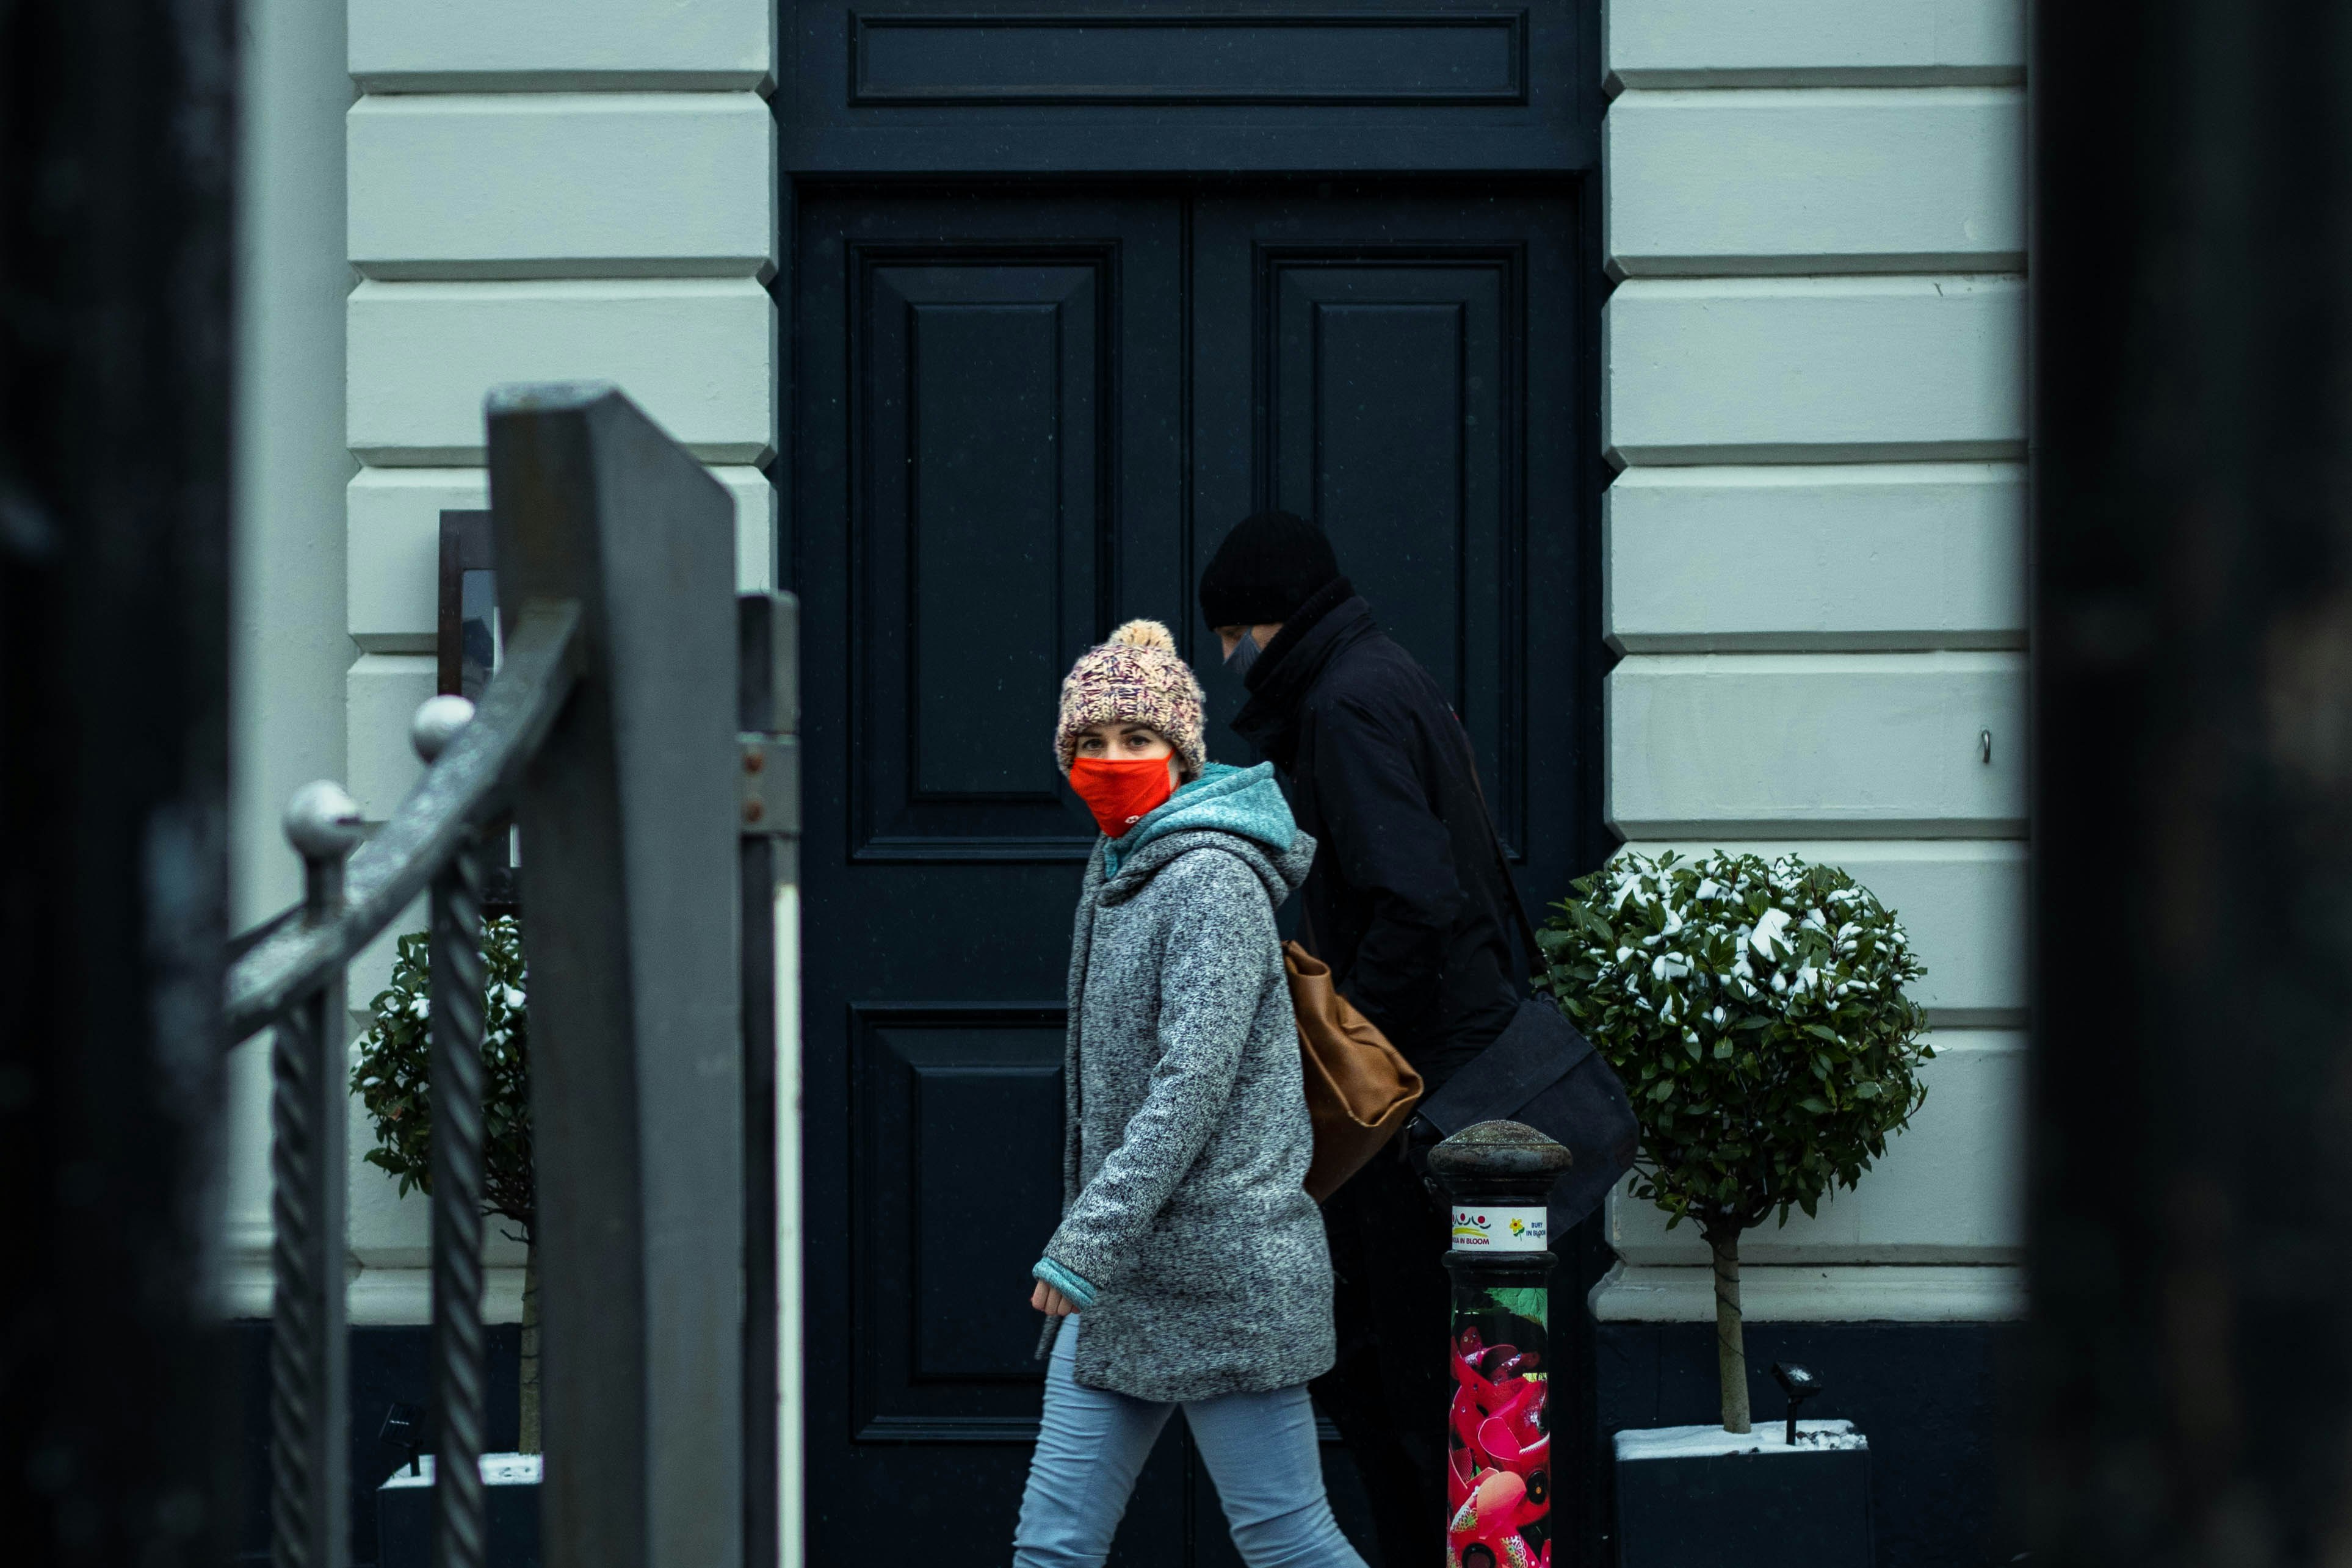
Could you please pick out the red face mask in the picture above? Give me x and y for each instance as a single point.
(1121, 793)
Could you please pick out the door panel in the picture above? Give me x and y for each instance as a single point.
(986, 448)
(893, 87)
(1404, 372)
(1386, 428)
(1019, 419)
(959, 1120)
(982, 542)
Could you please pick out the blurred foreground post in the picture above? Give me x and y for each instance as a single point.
(2190, 1373)
(116, 151)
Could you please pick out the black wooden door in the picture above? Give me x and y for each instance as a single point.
(1021, 418)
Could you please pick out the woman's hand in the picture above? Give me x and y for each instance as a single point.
(1051, 1302)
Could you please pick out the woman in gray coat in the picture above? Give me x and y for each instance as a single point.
(1190, 1267)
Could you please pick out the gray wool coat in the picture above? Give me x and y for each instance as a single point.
(1187, 1137)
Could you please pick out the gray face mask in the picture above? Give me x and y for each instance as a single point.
(1245, 654)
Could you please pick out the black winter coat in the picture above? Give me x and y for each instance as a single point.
(1405, 901)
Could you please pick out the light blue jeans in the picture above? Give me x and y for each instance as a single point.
(1259, 1447)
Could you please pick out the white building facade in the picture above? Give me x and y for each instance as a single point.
(1810, 546)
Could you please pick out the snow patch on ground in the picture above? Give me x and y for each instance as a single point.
(497, 1470)
(1706, 1442)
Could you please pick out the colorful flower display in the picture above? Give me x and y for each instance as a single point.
(1500, 1453)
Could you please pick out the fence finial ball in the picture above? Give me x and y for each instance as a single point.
(437, 724)
(321, 820)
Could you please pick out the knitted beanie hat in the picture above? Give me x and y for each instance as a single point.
(1137, 677)
(1266, 567)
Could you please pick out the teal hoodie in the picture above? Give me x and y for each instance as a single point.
(1242, 800)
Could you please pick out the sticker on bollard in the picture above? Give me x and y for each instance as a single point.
(1498, 1229)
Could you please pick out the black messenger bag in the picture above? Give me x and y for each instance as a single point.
(1542, 1072)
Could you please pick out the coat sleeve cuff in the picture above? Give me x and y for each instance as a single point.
(1061, 1279)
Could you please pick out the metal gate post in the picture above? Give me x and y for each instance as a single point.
(309, 1353)
(1499, 1175)
(460, 1520)
(628, 821)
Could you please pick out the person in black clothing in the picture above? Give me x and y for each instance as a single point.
(1406, 903)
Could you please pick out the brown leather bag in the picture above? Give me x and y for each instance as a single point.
(1359, 1088)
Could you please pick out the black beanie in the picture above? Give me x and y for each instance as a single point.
(1268, 566)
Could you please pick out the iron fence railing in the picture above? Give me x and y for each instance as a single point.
(637, 729)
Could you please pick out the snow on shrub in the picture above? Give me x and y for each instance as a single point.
(392, 1075)
(393, 1078)
(1757, 1015)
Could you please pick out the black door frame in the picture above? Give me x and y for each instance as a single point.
(839, 132)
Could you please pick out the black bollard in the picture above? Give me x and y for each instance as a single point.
(1498, 1176)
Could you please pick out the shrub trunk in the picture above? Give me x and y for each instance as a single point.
(1730, 1342)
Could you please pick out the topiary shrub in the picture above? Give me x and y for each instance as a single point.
(1757, 1015)
(393, 1080)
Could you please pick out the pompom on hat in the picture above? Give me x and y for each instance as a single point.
(1136, 678)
